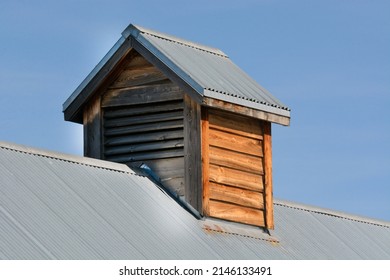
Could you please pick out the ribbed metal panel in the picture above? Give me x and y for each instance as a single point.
(219, 77)
(54, 206)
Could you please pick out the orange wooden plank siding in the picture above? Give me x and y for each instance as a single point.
(234, 181)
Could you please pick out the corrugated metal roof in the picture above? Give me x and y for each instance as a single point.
(207, 71)
(54, 206)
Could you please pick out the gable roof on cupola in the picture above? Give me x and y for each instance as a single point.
(205, 73)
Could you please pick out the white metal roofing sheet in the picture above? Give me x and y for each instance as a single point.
(54, 206)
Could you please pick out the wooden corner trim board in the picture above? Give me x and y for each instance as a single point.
(267, 142)
(205, 161)
(92, 129)
(192, 153)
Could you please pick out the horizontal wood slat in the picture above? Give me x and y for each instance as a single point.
(141, 95)
(236, 213)
(235, 142)
(141, 147)
(144, 119)
(136, 61)
(132, 129)
(236, 178)
(140, 76)
(235, 160)
(171, 153)
(236, 124)
(236, 196)
(145, 137)
(143, 109)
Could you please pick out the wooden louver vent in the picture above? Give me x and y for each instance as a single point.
(143, 122)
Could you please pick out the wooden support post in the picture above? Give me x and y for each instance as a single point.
(192, 157)
(205, 161)
(269, 210)
(92, 129)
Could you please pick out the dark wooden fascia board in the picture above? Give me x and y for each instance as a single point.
(246, 111)
(73, 107)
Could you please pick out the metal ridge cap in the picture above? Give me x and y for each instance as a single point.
(92, 162)
(134, 30)
(330, 212)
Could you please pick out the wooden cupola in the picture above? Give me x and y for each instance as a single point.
(191, 115)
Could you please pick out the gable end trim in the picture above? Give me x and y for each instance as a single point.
(72, 106)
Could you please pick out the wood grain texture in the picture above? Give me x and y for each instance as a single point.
(236, 160)
(205, 162)
(144, 147)
(236, 213)
(143, 128)
(145, 137)
(236, 178)
(269, 212)
(144, 119)
(138, 76)
(234, 142)
(192, 153)
(92, 129)
(243, 110)
(140, 109)
(237, 196)
(136, 61)
(141, 95)
(236, 124)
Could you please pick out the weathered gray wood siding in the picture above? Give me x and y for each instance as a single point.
(142, 122)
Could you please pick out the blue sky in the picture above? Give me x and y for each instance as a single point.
(329, 61)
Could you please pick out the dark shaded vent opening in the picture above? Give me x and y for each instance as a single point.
(152, 131)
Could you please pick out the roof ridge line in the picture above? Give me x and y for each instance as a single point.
(188, 44)
(332, 213)
(138, 29)
(86, 161)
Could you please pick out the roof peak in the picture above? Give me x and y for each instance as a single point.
(135, 30)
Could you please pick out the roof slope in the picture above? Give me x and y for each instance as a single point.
(55, 206)
(205, 72)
